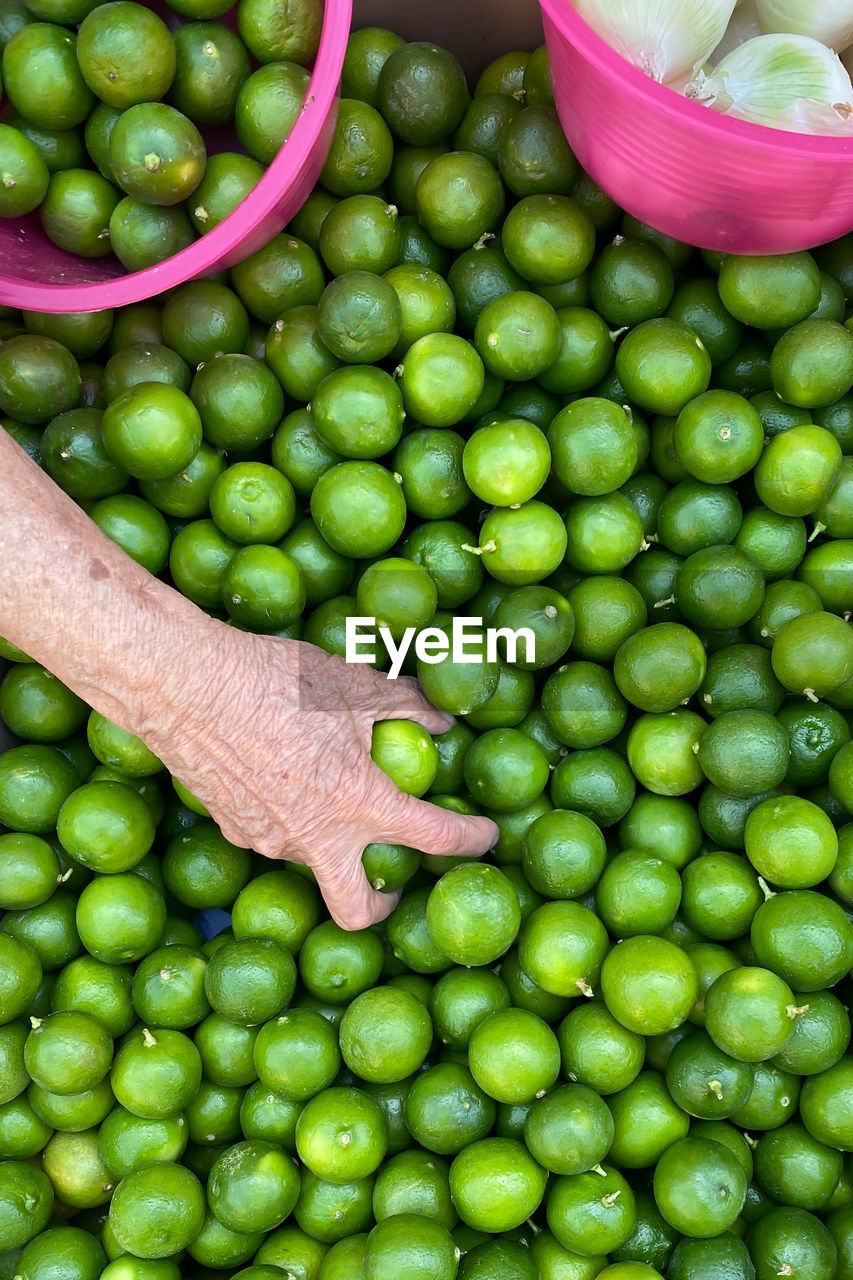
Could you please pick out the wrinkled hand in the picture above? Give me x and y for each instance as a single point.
(274, 737)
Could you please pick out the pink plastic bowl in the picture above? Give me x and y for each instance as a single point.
(37, 276)
(683, 168)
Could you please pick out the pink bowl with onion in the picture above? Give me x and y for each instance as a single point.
(691, 172)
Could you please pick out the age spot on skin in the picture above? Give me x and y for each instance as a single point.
(98, 570)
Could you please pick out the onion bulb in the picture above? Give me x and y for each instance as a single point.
(782, 81)
(830, 21)
(667, 39)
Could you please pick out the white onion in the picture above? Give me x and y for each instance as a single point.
(667, 39)
(782, 81)
(830, 21)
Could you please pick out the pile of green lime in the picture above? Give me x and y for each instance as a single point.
(107, 105)
(462, 384)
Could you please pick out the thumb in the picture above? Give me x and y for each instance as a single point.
(352, 902)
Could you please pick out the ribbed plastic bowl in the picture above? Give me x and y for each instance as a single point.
(685, 169)
(37, 276)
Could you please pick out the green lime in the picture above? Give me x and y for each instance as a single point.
(168, 987)
(445, 1110)
(126, 53)
(646, 1121)
(73, 455)
(795, 1239)
(252, 502)
(361, 151)
(744, 752)
(229, 177)
(68, 1052)
(155, 1075)
(152, 430)
(638, 893)
(812, 363)
(29, 871)
(779, 930)
(421, 92)
(533, 155)
(819, 1037)
(25, 173)
(706, 1082)
(36, 706)
(513, 1055)
(562, 946)
(718, 437)
(593, 446)
(157, 1211)
(211, 66)
(720, 895)
(76, 212)
(100, 989)
(441, 378)
(406, 753)
(253, 1186)
(341, 1134)
(660, 666)
(517, 335)
(249, 980)
(384, 1035)
(26, 1202)
(796, 469)
(648, 984)
(597, 1050)
(139, 529)
(21, 977)
(749, 1013)
(496, 1184)
(296, 1055)
(357, 411)
(156, 154)
(506, 462)
(458, 198)
(120, 917)
(548, 239)
(412, 1247)
(823, 1105)
(367, 52)
(127, 1142)
(141, 235)
(662, 365)
(569, 1130)
(57, 98)
(592, 1213)
(337, 964)
(770, 292)
(662, 751)
(699, 1187)
(632, 281)
(604, 534)
(106, 826)
(473, 914)
(359, 318)
(340, 496)
(791, 842)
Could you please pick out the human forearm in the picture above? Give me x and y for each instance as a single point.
(77, 603)
(272, 735)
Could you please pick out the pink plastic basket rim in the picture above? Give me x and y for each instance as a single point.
(596, 51)
(189, 263)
